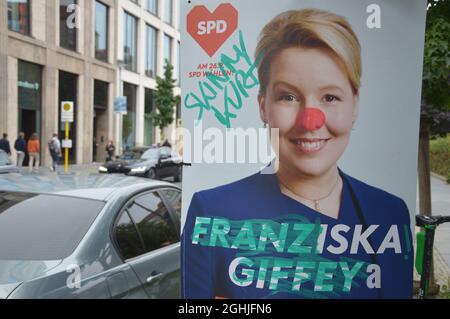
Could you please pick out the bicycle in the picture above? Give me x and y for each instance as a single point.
(425, 241)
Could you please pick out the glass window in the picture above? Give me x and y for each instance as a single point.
(67, 27)
(129, 119)
(19, 16)
(165, 151)
(168, 11)
(178, 111)
(152, 6)
(31, 229)
(178, 65)
(153, 221)
(150, 63)
(127, 238)
(174, 198)
(167, 48)
(101, 31)
(29, 98)
(148, 110)
(130, 44)
(151, 153)
(68, 83)
(100, 94)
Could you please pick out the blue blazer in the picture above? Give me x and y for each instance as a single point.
(204, 269)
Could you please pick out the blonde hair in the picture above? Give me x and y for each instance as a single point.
(309, 28)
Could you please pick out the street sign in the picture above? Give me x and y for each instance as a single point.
(120, 105)
(67, 111)
(66, 143)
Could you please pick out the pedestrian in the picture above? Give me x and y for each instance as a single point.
(55, 151)
(20, 145)
(167, 144)
(4, 144)
(34, 149)
(110, 149)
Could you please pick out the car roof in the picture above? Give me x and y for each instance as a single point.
(138, 149)
(81, 185)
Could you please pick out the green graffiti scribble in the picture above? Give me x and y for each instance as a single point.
(234, 88)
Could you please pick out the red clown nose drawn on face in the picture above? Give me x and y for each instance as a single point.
(310, 119)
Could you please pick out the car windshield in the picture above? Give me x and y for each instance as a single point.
(131, 155)
(150, 154)
(4, 159)
(43, 227)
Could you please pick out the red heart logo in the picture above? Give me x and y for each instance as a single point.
(211, 30)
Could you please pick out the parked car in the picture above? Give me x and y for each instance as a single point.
(6, 166)
(110, 237)
(154, 163)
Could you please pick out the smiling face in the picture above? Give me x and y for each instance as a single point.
(309, 81)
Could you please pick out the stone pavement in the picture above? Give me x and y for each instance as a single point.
(440, 205)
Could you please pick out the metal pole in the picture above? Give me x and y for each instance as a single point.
(66, 151)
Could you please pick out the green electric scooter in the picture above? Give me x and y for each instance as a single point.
(425, 241)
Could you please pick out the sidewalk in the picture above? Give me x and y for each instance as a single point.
(440, 204)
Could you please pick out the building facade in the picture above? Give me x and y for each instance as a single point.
(148, 34)
(74, 50)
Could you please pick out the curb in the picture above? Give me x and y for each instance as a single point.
(440, 177)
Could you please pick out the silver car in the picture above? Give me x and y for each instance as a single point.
(89, 237)
(6, 166)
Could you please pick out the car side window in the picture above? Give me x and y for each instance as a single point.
(153, 221)
(165, 151)
(174, 198)
(127, 237)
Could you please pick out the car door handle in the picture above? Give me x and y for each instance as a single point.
(154, 278)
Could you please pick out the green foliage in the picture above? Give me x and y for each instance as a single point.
(436, 68)
(437, 64)
(440, 156)
(165, 100)
(444, 292)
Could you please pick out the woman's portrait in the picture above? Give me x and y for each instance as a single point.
(310, 229)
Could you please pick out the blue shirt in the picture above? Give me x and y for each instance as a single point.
(382, 264)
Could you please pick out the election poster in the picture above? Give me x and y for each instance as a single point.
(301, 125)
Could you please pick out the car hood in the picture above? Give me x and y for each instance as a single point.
(8, 169)
(118, 163)
(148, 163)
(14, 272)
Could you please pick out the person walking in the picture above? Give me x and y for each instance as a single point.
(20, 145)
(110, 149)
(34, 149)
(167, 144)
(55, 151)
(4, 144)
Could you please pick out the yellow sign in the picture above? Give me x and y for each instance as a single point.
(67, 111)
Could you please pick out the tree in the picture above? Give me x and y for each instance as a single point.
(435, 112)
(165, 100)
(435, 91)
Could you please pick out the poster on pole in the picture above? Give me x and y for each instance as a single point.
(120, 105)
(301, 124)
